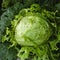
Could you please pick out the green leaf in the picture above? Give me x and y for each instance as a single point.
(58, 6)
(7, 54)
(58, 36)
(7, 16)
(53, 44)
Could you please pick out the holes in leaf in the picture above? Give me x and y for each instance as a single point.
(46, 58)
(22, 52)
(34, 10)
(41, 59)
(54, 51)
(34, 6)
(28, 10)
(18, 46)
(7, 36)
(31, 54)
(58, 45)
(6, 16)
(58, 50)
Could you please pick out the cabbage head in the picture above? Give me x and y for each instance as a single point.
(32, 29)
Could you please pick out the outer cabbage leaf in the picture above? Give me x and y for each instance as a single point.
(7, 54)
(34, 53)
(7, 16)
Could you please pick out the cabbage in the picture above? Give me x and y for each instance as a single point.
(31, 30)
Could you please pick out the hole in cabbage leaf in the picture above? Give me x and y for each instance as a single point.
(22, 52)
(58, 45)
(54, 52)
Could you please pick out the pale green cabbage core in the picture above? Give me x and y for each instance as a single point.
(32, 30)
